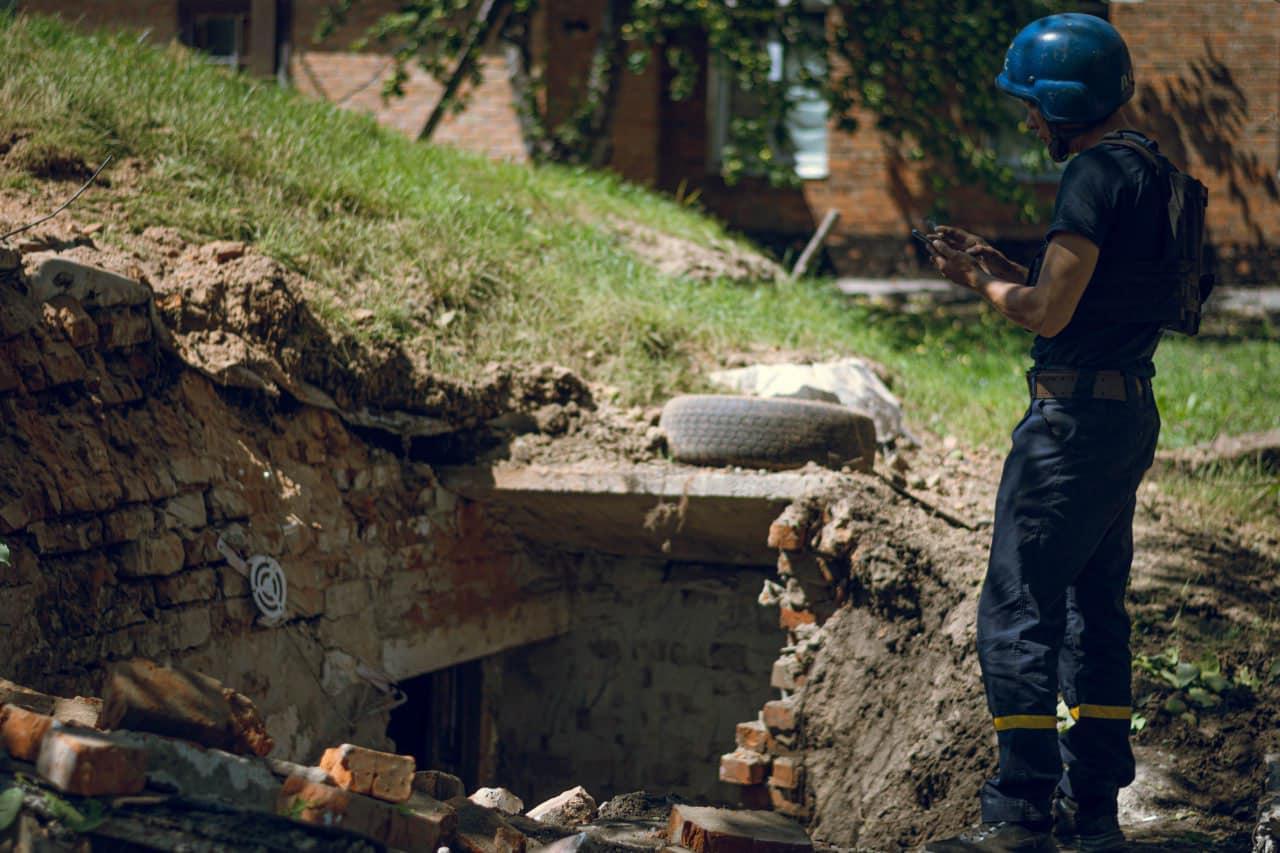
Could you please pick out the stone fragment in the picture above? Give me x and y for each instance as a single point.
(383, 775)
(90, 764)
(65, 313)
(227, 504)
(573, 807)
(124, 327)
(54, 537)
(186, 587)
(485, 830)
(160, 554)
(205, 775)
(743, 767)
(787, 772)
(186, 511)
(88, 285)
(60, 362)
(712, 830)
(780, 715)
(81, 711)
(752, 735)
(127, 525)
(143, 696)
(498, 798)
(438, 785)
(21, 732)
(1266, 833)
(784, 675)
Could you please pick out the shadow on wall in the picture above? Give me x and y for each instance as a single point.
(1204, 114)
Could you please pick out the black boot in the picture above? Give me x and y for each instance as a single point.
(1088, 832)
(1003, 837)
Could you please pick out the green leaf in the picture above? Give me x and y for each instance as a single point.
(1184, 674)
(4, 554)
(1215, 682)
(1209, 665)
(1137, 723)
(10, 805)
(1203, 698)
(1174, 705)
(1245, 677)
(75, 819)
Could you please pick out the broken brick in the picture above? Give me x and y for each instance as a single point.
(783, 676)
(752, 735)
(780, 715)
(788, 802)
(144, 696)
(81, 711)
(383, 775)
(743, 767)
(785, 537)
(712, 830)
(90, 764)
(787, 772)
(21, 731)
(438, 785)
(789, 618)
(417, 825)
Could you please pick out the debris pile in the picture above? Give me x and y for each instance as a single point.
(171, 753)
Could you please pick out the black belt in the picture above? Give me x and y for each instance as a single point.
(1096, 384)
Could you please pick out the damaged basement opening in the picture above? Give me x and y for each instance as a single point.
(440, 722)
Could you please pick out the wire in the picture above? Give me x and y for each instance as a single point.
(64, 206)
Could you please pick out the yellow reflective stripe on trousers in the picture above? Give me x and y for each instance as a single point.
(1026, 721)
(1102, 712)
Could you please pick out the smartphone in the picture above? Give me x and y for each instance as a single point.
(923, 239)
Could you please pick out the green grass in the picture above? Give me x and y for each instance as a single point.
(466, 261)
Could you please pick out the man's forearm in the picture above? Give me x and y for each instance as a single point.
(1021, 304)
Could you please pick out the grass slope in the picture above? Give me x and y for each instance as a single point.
(469, 261)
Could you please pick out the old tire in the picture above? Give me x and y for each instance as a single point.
(766, 432)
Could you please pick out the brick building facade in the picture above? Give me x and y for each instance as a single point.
(1213, 102)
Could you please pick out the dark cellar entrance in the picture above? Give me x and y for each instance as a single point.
(439, 725)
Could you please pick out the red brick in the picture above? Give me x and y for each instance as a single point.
(789, 618)
(788, 772)
(786, 537)
(21, 731)
(788, 802)
(366, 771)
(711, 830)
(743, 767)
(752, 735)
(780, 715)
(146, 697)
(90, 764)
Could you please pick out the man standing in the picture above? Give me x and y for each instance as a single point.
(1051, 615)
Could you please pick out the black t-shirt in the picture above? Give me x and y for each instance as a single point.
(1112, 196)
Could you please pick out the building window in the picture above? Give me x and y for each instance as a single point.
(806, 124)
(218, 28)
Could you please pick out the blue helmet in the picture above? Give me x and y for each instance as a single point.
(1074, 67)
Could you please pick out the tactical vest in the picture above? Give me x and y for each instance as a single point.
(1170, 290)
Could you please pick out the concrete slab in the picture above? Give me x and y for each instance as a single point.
(666, 511)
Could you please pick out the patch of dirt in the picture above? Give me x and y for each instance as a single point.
(676, 256)
(895, 728)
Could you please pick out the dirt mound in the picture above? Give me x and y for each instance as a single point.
(894, 731)
(676, 256)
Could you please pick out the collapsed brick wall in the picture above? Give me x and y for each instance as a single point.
(121, 468)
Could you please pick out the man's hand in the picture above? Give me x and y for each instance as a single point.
(988, 256)
(960, 267)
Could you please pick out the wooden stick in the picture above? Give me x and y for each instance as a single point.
(815, 243)
(486, 16)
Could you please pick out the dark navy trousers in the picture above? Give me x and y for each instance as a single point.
(1051, 617)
